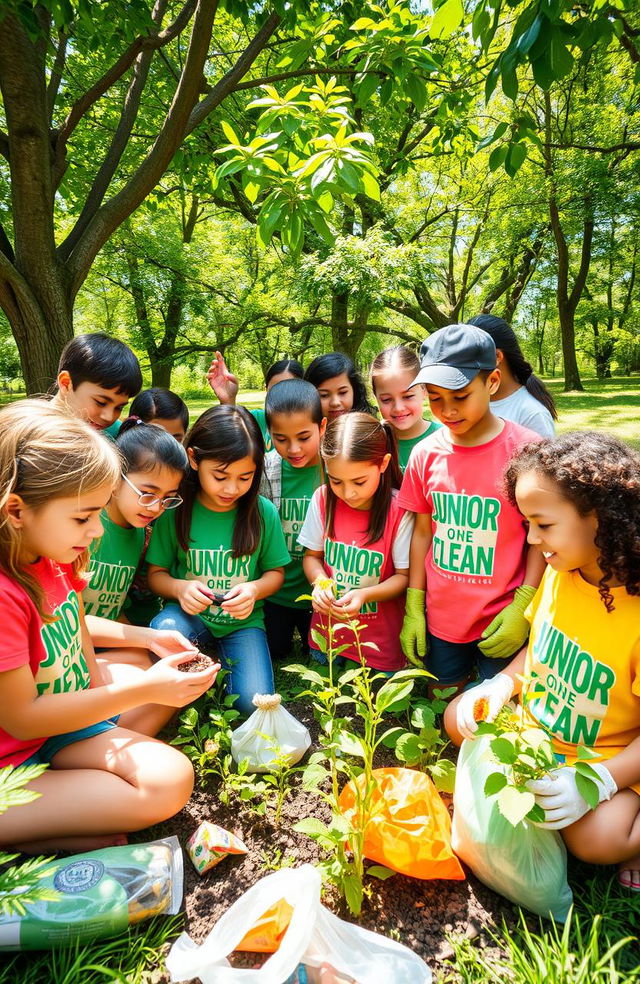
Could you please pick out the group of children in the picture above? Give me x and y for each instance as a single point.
(453, 539)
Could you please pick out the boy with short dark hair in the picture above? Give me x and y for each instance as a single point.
(97, 376)
(469, 554)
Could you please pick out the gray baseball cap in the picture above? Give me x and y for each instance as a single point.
(454, 355)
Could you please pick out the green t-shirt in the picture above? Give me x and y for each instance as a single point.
(209, 558)
(114, 561)
(298, 486)
(406, 447)
(112, 431)
(261, 421)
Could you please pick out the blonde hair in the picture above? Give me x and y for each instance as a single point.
(45, 454)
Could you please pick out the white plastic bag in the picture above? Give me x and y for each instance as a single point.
(314, 936)
(525, 864)
(270, 735)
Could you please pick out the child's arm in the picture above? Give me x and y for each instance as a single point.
(352, 601)
(192, 596)
(420, 545)
(26, 715)
(510, 629)
(116, 635)
(241, 598)
(223, 383)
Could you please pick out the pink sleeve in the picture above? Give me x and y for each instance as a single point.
(413, 493)
(16, 614)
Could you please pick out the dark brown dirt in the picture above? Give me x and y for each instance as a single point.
(198, 663)
(419, 914)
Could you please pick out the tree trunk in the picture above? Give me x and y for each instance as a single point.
(161, 374)
(572, 379)
(41, 331)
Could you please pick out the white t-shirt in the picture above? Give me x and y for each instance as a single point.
(524, 409)
(312, 535)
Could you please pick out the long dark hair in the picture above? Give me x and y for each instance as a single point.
(293, 396)
(284, 365)
(145, 446)
(597, 473)
(360, 437)
(159, 403)
(505, 338)
(225, 434)
(333, 364)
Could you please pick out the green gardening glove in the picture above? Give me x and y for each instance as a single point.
(413, 637)
(509, 629)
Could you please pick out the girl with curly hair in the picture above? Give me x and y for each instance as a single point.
(580, 494)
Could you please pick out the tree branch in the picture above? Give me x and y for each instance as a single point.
(56, 72)
(627, 145)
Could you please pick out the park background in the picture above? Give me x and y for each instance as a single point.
(275, 179)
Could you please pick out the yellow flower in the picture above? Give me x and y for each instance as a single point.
(325, 584)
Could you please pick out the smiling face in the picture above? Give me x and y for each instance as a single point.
(221, 485)
(60, 530)
(399, 402)
(125, 509)
(100, 407)
(465, 411)
(336, 396)
(296, 438)
(355, 482)
(566, 538)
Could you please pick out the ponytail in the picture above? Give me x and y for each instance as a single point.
(360, 437)
(521, 370)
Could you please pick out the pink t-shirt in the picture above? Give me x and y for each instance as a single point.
(477, 557)
(353, 563)
(52, 651)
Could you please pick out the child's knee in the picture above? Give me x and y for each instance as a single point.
(166, 787)
(450, 722)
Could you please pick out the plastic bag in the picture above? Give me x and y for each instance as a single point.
(525, 864)
(210, 844)
(409, 829)
(270, 736)
(314, 936)
(266, 935)
(100, 894)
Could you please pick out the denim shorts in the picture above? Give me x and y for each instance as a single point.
(46, 752)
(452, 662)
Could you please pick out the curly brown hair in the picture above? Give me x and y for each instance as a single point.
(596, 473)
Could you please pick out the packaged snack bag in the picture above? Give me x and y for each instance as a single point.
(210, 844)
(98, 895)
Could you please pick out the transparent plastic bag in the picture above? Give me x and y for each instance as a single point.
(313, 937)
(525, 864)
(271, 737)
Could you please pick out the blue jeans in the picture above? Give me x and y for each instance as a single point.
(244, 653)
(451, 662)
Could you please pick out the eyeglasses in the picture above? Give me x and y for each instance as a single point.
(149, 499)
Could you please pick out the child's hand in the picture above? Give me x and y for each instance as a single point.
(194, 597)
(350, 604)
(413, 636)
(509, 629)
(323, 600)
(165, 684)
(167, 642)
(560, 799)
(240, 600)
(223, 383)
(495, 692)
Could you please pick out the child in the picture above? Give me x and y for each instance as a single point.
(105, 778)
(225, 385)
(581, 496)
(339, 384)
(399, 401)
(154, 466)
(223, 552)
(163, 407)
(521, 396)
(97, 376)
(469, 541)
(293, 471)
(357, 534)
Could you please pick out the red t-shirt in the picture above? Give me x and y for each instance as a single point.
(52, 651)
(477, 557)
(353, 563)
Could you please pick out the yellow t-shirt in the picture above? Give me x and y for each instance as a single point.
(587, 661)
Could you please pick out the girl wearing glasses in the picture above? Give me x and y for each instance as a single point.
(154, 464)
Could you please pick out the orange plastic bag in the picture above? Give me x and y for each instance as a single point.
(409, 828)
(266, 934)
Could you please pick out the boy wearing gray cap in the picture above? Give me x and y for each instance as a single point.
(470, 561)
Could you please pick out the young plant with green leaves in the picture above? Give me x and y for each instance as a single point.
(422, 744)
(349, 743)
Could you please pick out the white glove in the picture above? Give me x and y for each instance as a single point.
(496, 692)
(560, 799)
